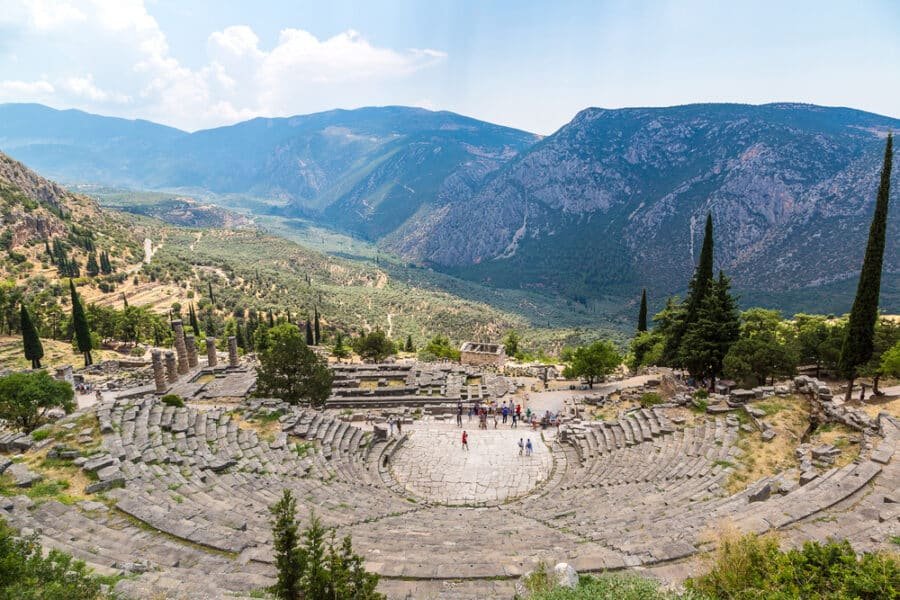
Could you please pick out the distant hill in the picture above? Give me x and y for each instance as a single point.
(38, 214)
(612, 202)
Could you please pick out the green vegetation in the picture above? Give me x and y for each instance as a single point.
(642, 313)
(80, 324)
(439, 347)
(751, 567)
(374, 346)
(649, 399)
(26, 574)
(290, 370)
(339, 350)
(308, 567)
(859, 341)
(890, 361)
(25, 398)
(31, 342)
(607, 586)
(173, 400)
(591, 363)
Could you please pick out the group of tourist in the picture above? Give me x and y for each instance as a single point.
(508, 412)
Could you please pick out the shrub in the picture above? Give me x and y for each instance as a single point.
(603, 587)
(649, 399)
(701, 394)
(754, 567)
(172, 400)
(40, 435)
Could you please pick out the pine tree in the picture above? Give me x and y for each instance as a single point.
(707, 340)
(34, 351)
(286, 538)
(642, 314)
(310, 341)
(316, 331)
(82, 331)
(859, 340)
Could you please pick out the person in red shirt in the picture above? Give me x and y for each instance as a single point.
(465, 441)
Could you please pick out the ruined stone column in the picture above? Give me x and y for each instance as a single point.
(171, 370)
(191, 351)
(212, 358)
(159, 371)
(180, 346)
(232, 351)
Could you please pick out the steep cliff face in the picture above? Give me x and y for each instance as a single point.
(617, 199)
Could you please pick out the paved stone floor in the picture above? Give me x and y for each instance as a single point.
(431, 464)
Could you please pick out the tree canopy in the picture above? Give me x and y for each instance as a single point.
(592, 362)
(374, 346)
(34, 350)
(25, 398)
(290, 370)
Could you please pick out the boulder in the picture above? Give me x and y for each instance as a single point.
(761, 494)
(565, 575)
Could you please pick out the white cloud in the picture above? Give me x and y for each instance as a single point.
(133, 72)
(12, 89)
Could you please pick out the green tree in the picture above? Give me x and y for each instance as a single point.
(339, 350)
(859, 341)
(767, 348)
(80, 323)
(374, 346)
(439, 347)
(311, 569)
(511, 343)
(890, 362)
(708, 338)
(642, 313)
(25, 398)
(34, 350)
(646, 348)
(26, 573)
(290, 370)
(592, 363)
(409, 347)
(698, 287)
(887, 333)
(192, 319)
(290, 563)
(819, 341)
(317, 333)
(310, 340)
(92, 268)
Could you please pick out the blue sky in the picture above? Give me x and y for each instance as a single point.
(532, 65)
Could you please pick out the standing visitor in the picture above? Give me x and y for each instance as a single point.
(391, 425)
(465, 441)
(399, 426)
(528, 447)
(505, 412)
(521, 446)
(459, 414)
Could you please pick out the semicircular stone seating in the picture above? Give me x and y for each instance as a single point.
(189, 493)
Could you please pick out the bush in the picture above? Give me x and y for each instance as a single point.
(649, 399)
(40, 435)
(754, 567)
(604, 587)
(27, 574)
(172, 400)
(701, 394)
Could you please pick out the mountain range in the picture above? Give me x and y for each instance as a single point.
(612, 202)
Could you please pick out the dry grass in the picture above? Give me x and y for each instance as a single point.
(789, 417)
(841, 437)
(888, 404)
(265, 429)
(56, 354)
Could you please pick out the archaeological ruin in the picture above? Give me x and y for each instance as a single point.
(179, 497)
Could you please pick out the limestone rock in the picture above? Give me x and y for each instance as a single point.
(566, 575)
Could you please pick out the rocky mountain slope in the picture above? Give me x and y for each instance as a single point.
(616, 200)
(612, 202)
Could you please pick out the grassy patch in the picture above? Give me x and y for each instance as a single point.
(40, 435)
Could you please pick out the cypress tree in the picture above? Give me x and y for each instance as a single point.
(82, 331)
(409, 344)
(47, 249)
(310, 341)
(271, 319)
(697, 290)
(34, 351)
(642, 314)
(192, 319)
(212, 298)
(317, 332)
(859, 340)
(124, 300)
